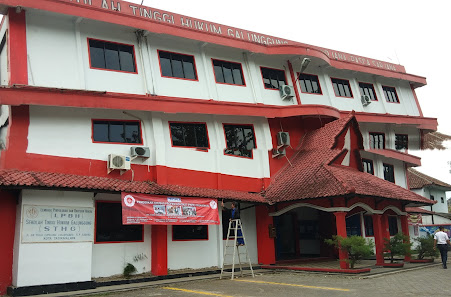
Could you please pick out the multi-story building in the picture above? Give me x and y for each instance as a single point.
(101, 98)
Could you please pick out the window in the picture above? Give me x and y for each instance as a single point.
(309, 83)
(442, 199)
(116, 131)
(353, 225)
(432, 197)
(228, 73)
(177, 65)
(393, 225)
(111, 56)
(273, 78)
(377, 140)
(368, 89)
(390, 94)
(109, 226)
(389, 173)
(240, 140)
(368, 221)
(368, 166)
(342, 88)
(190, 232)
(189, 135)
(401, 141)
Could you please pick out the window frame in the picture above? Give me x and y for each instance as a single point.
(95, 226)
(113, 42)
(193, 123)
(369, 140)
(263, 79)
(348, 226)
(366, 227)
(391, 224)
(224, 83)
(389, 166)
(364, 160)
(200, 239)
(372, 86)
(182, 78)
(111, 142)
(407, 142)
(313, 75)
(349, 84)
(385, 94)
(225, 139)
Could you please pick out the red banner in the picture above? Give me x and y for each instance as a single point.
(142, 209)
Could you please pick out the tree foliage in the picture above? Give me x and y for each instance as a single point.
(398, 245)
(425, 247)
(356, 247)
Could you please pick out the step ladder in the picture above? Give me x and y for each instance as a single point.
(232, 243)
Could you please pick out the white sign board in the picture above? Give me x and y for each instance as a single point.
(57, 224)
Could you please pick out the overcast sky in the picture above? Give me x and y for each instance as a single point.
(415, 34)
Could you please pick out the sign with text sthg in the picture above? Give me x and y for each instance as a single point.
(164, 210)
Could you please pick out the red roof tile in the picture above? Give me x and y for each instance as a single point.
(418, 210)
(418, 180)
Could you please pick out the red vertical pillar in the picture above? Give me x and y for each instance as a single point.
(159, 249)
(378, 238)
(7, 223)
(405, 231)
(17, 47)
(385, 229)
(265, 244)
(340, 218)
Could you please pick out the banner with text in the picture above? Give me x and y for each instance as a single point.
(164, 210)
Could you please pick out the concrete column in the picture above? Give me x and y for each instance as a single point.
(265, 244)
(405, 231)
(8, 222)
(378, 238)
(340, 218)
(159, 250)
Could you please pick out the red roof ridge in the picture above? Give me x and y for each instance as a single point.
(424, 180)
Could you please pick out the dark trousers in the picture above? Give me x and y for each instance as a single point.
(443, 248)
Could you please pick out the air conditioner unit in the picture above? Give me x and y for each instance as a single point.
(278, 152)
(286, 92)
(366, 100)
(140, 151)
(283, 139)
(118, 162)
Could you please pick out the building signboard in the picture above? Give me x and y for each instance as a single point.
(164, 210)
(42, 223)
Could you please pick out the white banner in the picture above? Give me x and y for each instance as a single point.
(57, 224)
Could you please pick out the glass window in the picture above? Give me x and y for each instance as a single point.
(342, 88)
(112, 56)
(368, 166)
(273, 78)
(189, 135)
(109, 227)
(309, 83)
(389, 173)
(240, 140)
(368, 221)
(353, 225)
(377, 140)
(393, 225)
(116, 131)
(401, 141)
(190, 232)
(228, 72)
(177, 65)
(390, 94)
(368, 89)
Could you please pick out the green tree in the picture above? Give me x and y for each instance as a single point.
(356, 247)
(398, 245)
(425, 247)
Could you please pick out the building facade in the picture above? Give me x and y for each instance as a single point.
(105, 97)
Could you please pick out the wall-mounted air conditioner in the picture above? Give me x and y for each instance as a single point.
(118, 162)
(366, 100)
(279, 152)
(286, 92)
(140, 151)
(283, 139)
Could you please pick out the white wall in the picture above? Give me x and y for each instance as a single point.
(438, 195)
(51, 263)
(4, 67)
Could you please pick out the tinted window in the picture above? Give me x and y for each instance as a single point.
(309, 83)
(341, 87)
(389, 173)
(240, 140)
(190, 232)
(177, 65)
(112, 56)
(117, 131)
(189, 135)
(368, 89)
(390, 94)
(273, 78)
(228, 72)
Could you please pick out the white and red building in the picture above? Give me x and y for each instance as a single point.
(84, 80)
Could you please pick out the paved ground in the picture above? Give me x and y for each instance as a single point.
(428, 281)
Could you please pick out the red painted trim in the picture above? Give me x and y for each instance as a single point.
(253, 132)
(8, 206)
(397, 155)
(396, 93)
(182, 78)
(265, 245)
(208, 236)
(340, 218)
(17, 142)
(242, 73)
(318, 269)
(159, 249)
(372, 86)
(95, 226)
(319, 84)
(17, 47)
(106, 69)
(110, 142)
(182, 146)
(416, 100)
(419, 122)
(349, 85)
(261, 72)
(294, 80)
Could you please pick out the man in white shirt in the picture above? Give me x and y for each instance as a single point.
(441, 240)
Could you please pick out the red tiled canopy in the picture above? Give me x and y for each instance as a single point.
(418, 180)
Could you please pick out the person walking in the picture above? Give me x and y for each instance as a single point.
(441, 240)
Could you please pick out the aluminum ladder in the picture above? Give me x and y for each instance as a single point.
(231, 242)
